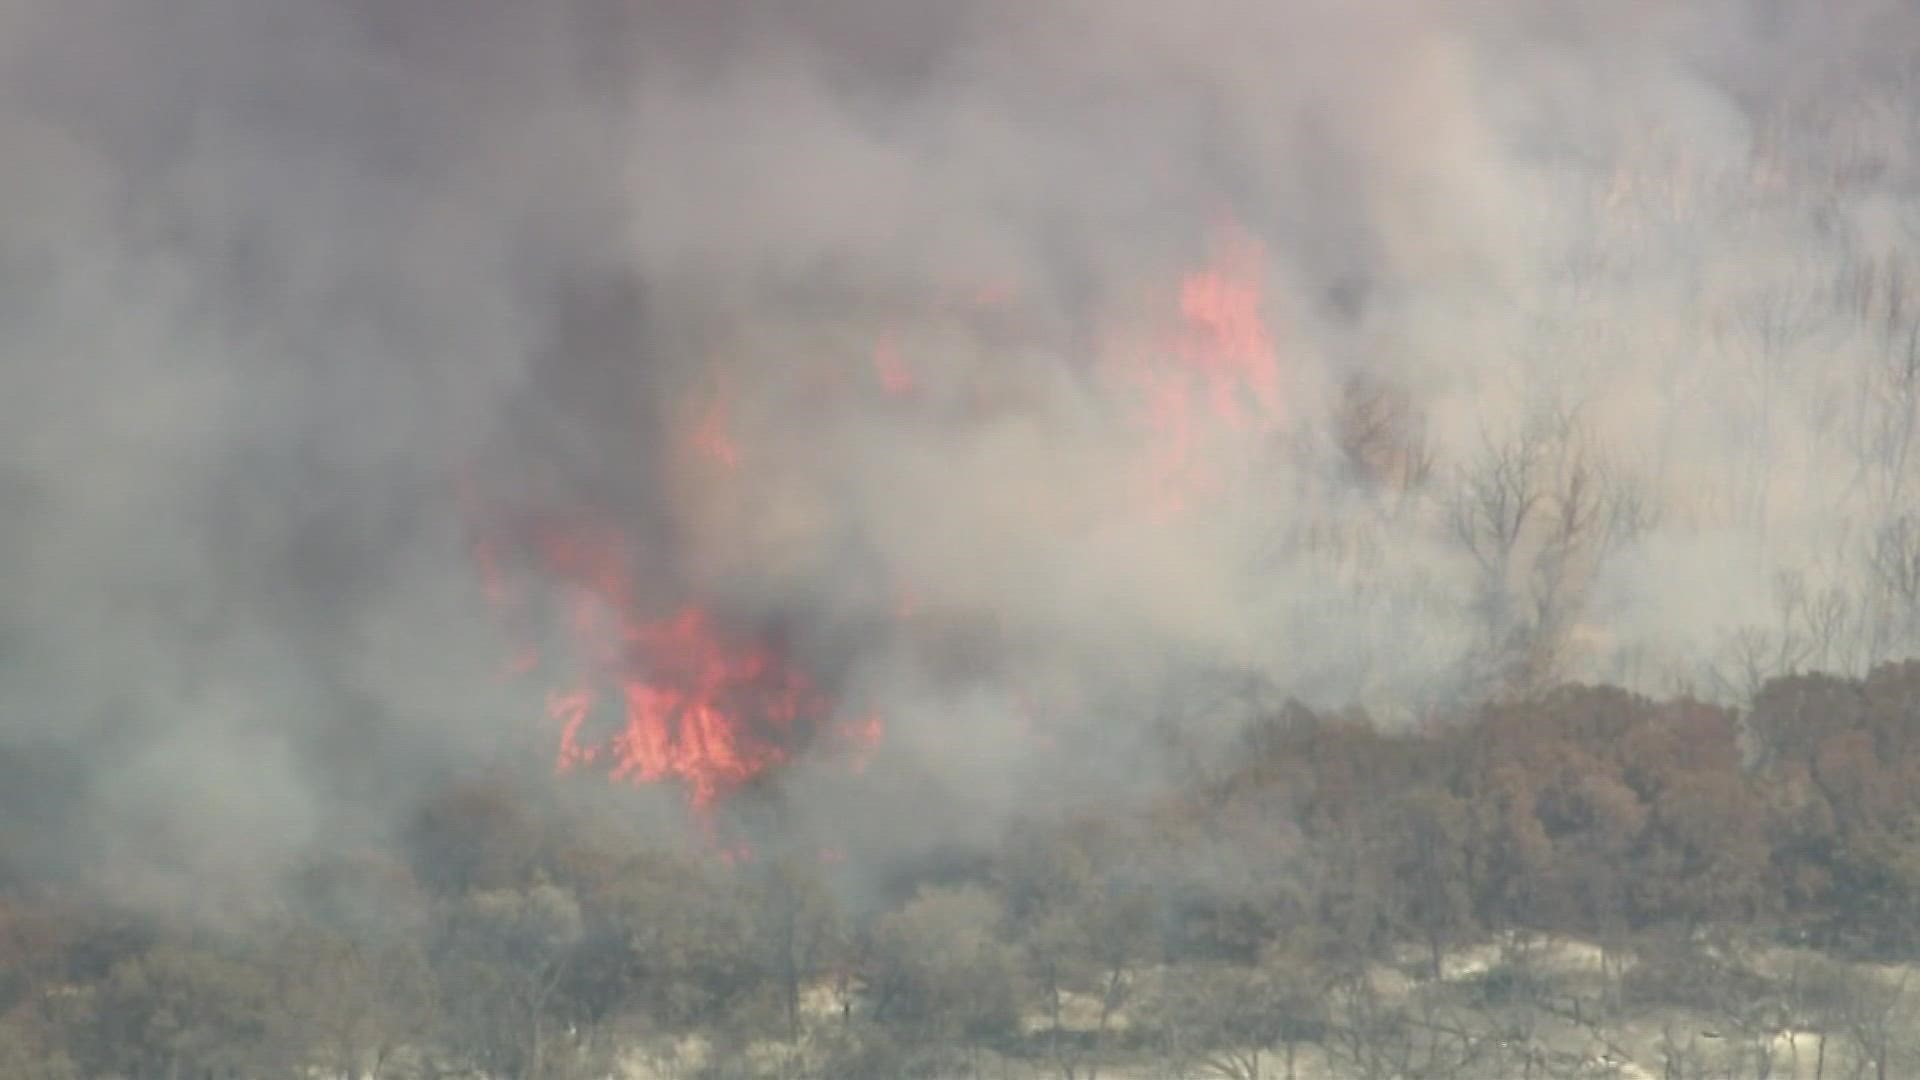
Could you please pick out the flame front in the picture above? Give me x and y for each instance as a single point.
(695, 709)
(665, 699)
(673, 692)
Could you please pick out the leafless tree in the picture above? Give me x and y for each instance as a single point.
(1231, 1019)
(1371, 1037)
(1382, 440)
(1765, 331)
(1877, 1020)
(1814, 628)
(1893, 584)
(1537, 514)
(1884, 428)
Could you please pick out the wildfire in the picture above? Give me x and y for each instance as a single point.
(1219, 371)
(672, 692)
(696, 709)
(1226, 347)
(671, 698)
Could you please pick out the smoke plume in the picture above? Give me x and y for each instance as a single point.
(1032, 376)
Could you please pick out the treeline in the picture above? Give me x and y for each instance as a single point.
(1317, 894)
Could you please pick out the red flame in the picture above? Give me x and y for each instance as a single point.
(696, 709)
(1226, 347)
(671, 693)
(669, 698)
(1219, 371)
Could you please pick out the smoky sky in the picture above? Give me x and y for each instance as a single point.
(286, 283)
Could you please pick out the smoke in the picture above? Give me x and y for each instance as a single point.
(292, 288)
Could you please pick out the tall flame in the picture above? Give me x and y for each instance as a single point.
(697, 709)
(1219, 371)
(669, 698)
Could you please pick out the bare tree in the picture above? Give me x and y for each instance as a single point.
(1382, 441)
(504, 954)
(1764, 331)
(1893, 584)
(1877, 1016)
(943, 978)
(1372, 1037)
(361, 1003)
(1884, 432)
(1820, 992)
(1537, 514)
(1803, 628)
(1230, 1019)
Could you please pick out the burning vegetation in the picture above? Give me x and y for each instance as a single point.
(660, 698)
(652, 686)
(889, 540)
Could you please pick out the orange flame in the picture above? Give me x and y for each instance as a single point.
(1219, 370)
(667, 694)
(1227, 347)
(691, 705)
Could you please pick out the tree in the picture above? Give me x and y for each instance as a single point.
(1556, 824)
(666, 938)
(1878, 1019)
(1842, 758)
(1382, 441)
(33, 941)
(799, 927)
(1892, 583)
(359, 1002)
(475, 834)
(1537, 514)
(31, 1050)
(501, 955)
(1373, 1037)
(1087, 914)
(1428, 841)
(1228, 1017)
(1705, 855)
(1820, 992)
(942, 975)
(1764, 330)
(179, 1011)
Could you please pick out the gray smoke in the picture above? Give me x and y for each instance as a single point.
(283, 279)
